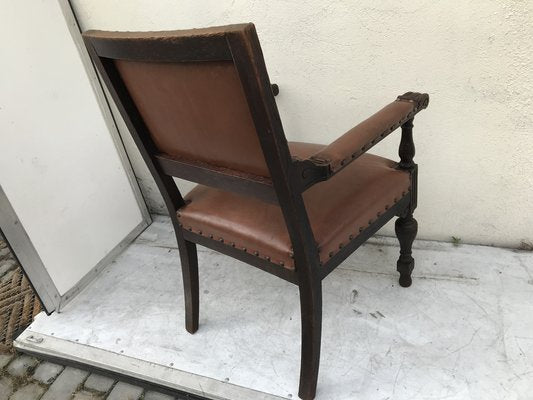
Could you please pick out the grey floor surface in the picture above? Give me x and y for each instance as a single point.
(23, 377)
(464, 330)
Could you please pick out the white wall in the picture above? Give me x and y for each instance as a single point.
(339, 61)
(59, 167)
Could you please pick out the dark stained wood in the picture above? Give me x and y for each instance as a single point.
(288, 177)
(222, 178)
(407, 146)
(407, 152)
(311, 316)
(406, 226)
(179, 49)
(310, 172)
(406, 229)
(191, 289)
(257, 88)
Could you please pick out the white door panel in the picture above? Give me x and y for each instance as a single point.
(59, 164)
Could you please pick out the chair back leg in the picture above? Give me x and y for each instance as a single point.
(189, 271)
(311, 317)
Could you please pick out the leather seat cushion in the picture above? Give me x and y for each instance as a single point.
(337, 209)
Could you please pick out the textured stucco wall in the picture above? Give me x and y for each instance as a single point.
(339, 61)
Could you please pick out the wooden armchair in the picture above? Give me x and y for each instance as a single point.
(200, 106)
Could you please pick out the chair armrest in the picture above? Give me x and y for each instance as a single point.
(369, 132)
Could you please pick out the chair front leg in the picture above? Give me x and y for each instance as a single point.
(406, 229)
(189, 271)
(406, 226)
(311, 316)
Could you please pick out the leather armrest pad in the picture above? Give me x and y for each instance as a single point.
(366, 134)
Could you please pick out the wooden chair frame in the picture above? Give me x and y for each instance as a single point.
(290, 177)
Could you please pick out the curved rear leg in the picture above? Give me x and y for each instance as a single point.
(189, 271)
(311, 310)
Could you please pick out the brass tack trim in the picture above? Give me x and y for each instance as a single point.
(291, 253)
(361, 229)
(232, 244)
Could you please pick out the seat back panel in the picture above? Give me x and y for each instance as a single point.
(196, 111)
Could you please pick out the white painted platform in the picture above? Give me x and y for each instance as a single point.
(464, 330)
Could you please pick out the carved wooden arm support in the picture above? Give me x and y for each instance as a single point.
(369, 132)
(330, 160)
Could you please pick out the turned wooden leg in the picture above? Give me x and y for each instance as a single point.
(406, 229)
(189, 271)
(311, 310)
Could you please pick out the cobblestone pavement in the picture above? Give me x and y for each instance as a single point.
(8, 264)
(23, 377)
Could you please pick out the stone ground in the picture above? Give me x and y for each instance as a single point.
(23, 377)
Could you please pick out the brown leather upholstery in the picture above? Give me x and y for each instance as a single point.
(338, 208)
(196, 110)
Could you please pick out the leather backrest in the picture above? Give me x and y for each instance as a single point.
(199, 105)
(197, 111)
